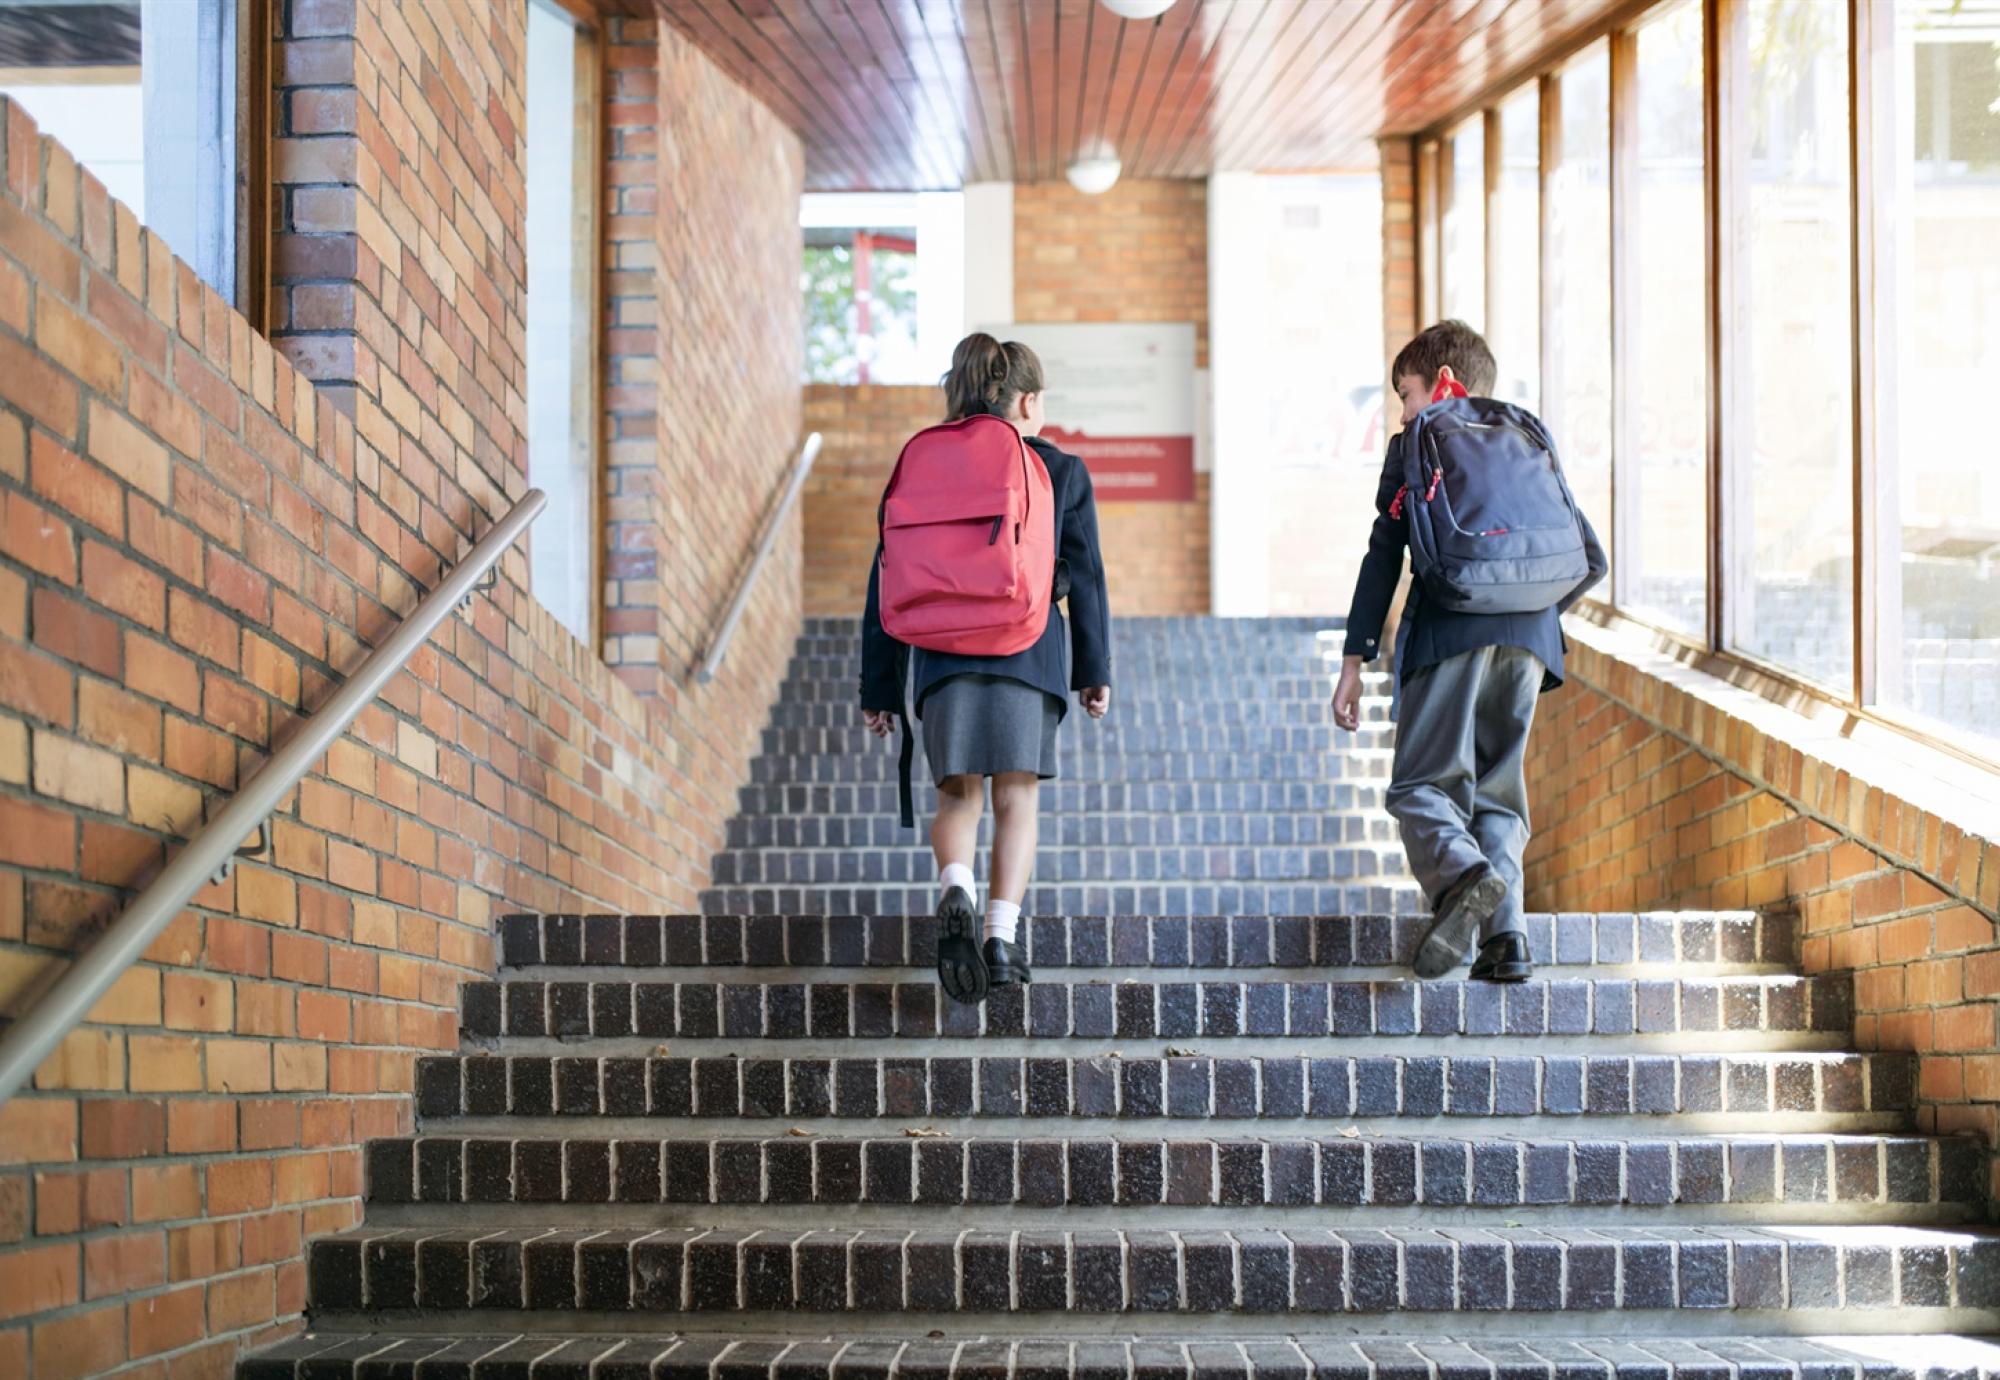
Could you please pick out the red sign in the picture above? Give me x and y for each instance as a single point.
(1155, 468)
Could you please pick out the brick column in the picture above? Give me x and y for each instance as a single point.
(1399, 244)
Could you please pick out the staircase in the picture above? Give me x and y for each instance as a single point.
(1222, 1134)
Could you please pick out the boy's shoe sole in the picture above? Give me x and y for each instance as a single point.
(961, 968)
(1463, 910)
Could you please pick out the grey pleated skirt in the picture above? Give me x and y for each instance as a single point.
(981, 725)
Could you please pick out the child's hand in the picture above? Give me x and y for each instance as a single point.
(880, 722)
(1347, 695)
(1095, 700)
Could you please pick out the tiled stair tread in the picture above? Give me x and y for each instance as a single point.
(1138, 1086)
(1056, 863)
(1097, 829)
(1177, 735)
(1143, 712)
(1380, 895)
(1223, 800)
(1095, 941)
(510, 1356)
(1326, 1170)
(1375, 895)
(1296, 1270)
(1310, 768)
(1146, 1009)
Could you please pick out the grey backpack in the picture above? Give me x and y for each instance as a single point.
(1493, 526)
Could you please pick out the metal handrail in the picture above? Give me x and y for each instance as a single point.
(64, 1004)
(719, 648)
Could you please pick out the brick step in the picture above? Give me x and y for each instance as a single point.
(1129, 941)
(324, 1355)
(1199, 686)
(1949, 1274)
(1114, 735)
(1056, 865)
(1140, 1086)
(1081, 763)
(1145, 711)
(1192, 625)
(1149, 1009)
(1849, 1173)
(1364, 896)
(1354, 825)
(1226, 800)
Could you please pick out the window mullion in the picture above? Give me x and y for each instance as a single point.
(1624, 304)
(1872, 143)
(1731, 510)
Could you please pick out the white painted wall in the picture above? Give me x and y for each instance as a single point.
(989, 255)
(1239, 501)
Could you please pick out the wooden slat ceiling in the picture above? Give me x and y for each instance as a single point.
(898, 95)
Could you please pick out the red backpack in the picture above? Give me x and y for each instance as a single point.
(968, 541)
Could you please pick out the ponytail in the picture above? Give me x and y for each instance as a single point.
(986, 376)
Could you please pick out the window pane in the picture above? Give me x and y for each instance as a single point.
(1516, 333)
(560, 459)
(1576, 397)
(1669, 561)
(861, 306)
(1465, 227)
(1941, 484)
(76, 70)
(1799, 399)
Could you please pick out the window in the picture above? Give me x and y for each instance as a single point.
(1666, 417)
(1516, 290)
(561, 316)
(146, 97)
(1939, 615)
(1576, 395)
(861, 304)
(1794, 494)
(885, 285)
(1465, 226)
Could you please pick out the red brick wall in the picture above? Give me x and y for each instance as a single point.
(1139, 252)
(864, 429)
(1647, 796)
(199, 536)
(731, 345)
(631, 350)
(1399, 244)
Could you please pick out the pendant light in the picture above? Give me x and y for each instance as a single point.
(1138, 9)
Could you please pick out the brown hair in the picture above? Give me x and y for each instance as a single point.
(986, 376)
(1453, 343)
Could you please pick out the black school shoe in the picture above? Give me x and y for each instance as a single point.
(1503, 958)
(1004, 963)
(1465, 906)
(960, 966)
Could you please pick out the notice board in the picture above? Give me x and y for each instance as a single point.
(1121, 395)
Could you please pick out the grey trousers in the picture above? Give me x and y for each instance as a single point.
(1459, 788)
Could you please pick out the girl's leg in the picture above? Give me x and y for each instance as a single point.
(1017, 797)
(954, 835)
(955, 831)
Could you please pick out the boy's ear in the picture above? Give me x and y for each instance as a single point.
(1445, 375)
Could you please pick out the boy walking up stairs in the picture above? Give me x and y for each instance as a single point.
(1498, 550)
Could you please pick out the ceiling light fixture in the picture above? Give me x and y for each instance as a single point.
(1138, 9)
(1095, 173)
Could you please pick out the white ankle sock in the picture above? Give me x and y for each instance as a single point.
(1003, 920)
(959, 875)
